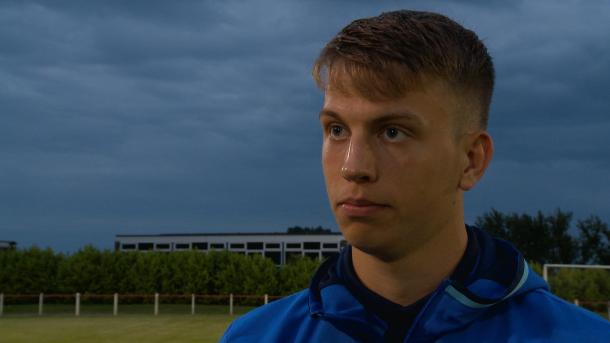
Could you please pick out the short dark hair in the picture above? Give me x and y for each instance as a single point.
(383, 57)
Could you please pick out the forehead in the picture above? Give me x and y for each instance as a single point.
(431, 105)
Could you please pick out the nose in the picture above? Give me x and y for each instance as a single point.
(359, 162)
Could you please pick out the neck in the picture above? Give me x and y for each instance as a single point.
(415, 274)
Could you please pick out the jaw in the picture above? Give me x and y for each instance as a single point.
(384, 239)
(394, 236)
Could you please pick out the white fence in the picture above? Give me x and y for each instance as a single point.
(77, 298)
(229, 298)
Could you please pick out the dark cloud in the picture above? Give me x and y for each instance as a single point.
(150, 116)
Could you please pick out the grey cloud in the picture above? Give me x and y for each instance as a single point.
(146, 116)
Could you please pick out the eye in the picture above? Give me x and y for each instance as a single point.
(394, 134)
(336, 132)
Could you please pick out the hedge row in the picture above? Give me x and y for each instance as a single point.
(90, 270)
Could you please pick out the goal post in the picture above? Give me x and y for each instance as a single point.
(546, 266)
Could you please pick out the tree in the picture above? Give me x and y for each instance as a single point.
(261, 275)
(594, 241)
(564, 248)
(296, 275)
(297, 230)
(35, 270)
(494, 222)
(82, 271)
(230, 273)
(7, 271)
(542, 238)
(198, 269)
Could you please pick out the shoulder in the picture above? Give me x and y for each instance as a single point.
(274, 319)
(558, 312)
(541, 316)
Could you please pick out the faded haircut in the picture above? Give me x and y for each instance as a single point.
(383, 57)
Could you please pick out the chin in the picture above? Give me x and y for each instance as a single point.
(371, 239)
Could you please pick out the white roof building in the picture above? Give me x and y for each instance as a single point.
(6, 245)
(281, 247)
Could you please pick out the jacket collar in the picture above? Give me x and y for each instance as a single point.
(501, 274)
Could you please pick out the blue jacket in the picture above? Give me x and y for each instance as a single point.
(507, 303)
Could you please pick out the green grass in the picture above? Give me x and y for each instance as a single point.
(124, 309)
(96, 324)
(135, 323)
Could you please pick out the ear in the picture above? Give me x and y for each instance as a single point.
(478, 151)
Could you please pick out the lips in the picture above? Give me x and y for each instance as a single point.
(360, 207)
(359, 202)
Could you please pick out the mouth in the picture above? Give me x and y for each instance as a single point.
(360, 207)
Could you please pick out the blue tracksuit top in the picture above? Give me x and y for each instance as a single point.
(508, 302)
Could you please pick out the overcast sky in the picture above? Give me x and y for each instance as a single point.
(201, 116)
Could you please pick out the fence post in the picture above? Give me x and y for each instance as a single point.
(77, 307)
(156, 304)
(1, 303)
(576, 302)
(231, 304)
(266, 299)
(115, 308)
(40, 302)
(545, 273)
(192, 303)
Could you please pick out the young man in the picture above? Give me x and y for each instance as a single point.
(407, 97)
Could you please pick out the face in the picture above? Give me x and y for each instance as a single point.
(392, 168)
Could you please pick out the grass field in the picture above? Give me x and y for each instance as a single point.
(135, 323)
(138, 324)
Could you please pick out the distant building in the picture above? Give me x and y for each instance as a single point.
(281, 247)
(8, 245)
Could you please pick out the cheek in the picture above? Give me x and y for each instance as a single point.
(416, 174)
(330, 167)
(332, 159)
(326, 160)
(439, 172)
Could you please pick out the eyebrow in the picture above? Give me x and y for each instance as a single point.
(383, 118)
